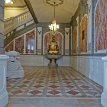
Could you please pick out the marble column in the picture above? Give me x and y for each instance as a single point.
(1, 26)
(3, 91)
(104, 94)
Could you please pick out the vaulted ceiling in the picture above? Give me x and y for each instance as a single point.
(45, 12)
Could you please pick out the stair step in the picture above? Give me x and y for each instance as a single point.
(53, 102)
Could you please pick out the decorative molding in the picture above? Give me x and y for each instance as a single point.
(39, 40)
(51, 2)
(70, 41)
(64, 45)
(67, 37)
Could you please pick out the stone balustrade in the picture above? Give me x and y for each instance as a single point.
(14, 22)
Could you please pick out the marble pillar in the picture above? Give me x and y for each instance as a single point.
(3, 91)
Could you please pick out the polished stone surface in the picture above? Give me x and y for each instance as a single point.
(61, 87)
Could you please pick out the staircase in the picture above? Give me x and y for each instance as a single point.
(16, 26)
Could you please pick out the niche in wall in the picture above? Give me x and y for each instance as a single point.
(48, 38)
(83, 35)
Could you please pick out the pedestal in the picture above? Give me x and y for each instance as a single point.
(3, 91)
(53, 60)
(104, 94)
(52, 63)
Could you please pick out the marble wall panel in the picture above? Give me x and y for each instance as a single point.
(74, 41)
(30, 42)
(19, 44)
(10, 47)
(83, 34)
(101, 25)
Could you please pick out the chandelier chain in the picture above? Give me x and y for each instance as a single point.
(54, 10)
(54, 27)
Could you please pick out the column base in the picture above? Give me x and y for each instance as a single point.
(3, 99)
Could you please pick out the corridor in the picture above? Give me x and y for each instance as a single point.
(49, 87)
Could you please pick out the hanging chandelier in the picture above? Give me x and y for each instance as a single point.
(54, 27)
(8, 1)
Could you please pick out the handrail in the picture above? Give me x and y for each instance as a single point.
(16, 21)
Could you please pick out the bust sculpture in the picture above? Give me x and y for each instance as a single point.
(53, 47)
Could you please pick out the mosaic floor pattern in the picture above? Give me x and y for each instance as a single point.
(51, 82)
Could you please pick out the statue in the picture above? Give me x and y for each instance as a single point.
(53, 47)
(53, 53)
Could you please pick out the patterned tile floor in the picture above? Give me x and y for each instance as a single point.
(51, 82)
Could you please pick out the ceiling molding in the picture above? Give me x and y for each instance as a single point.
(31, 10)
(51, 2)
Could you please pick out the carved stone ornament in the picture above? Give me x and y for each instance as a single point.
(57, 2)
